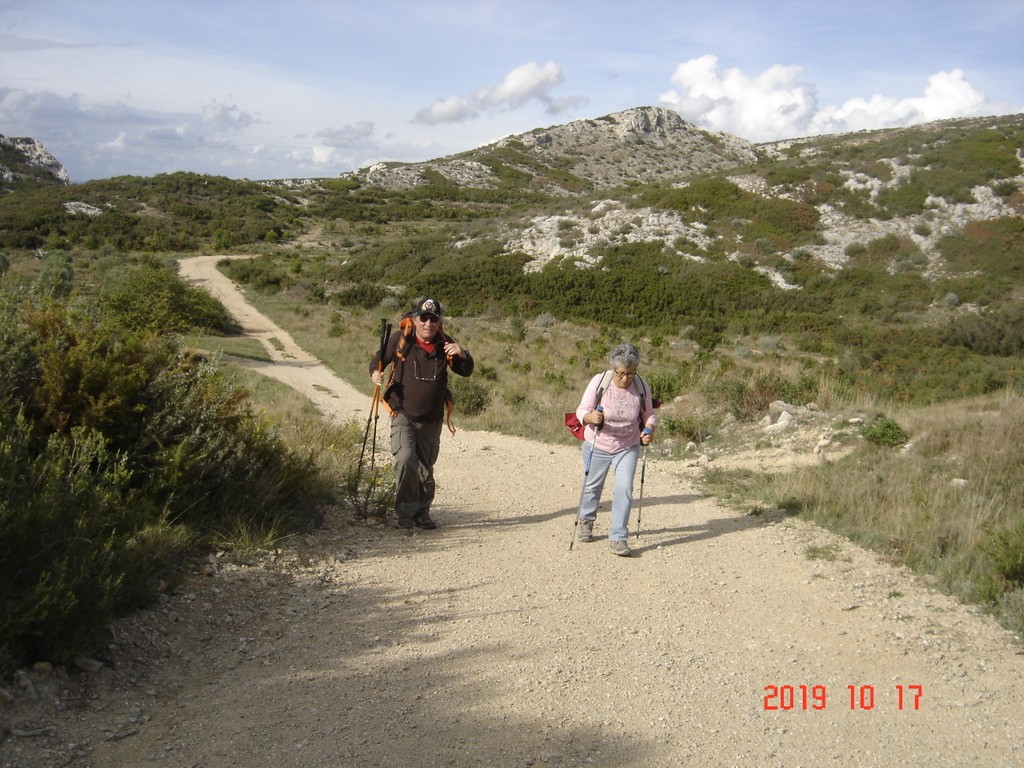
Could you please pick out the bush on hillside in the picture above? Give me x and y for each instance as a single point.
(994, 248)
(168, 212)
(885, 432)
(264, 274)
(470, 397)
(748, 397)
(1006, 550)
(57, 276)
(117, 450)
(665, 385)
(160, 301)
(994, 333)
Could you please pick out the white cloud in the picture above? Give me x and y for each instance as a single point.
(526, 83)
(322, 155)
(454, 109)
(115, 144)
(338, 146)
(947, 95)
(354, 134)
(759, 108)
(778, 105)
(116, 138)
(529, 81)
(226, 116)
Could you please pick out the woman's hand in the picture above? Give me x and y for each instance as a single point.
(595, 417)
(646, 436)
(377, 377)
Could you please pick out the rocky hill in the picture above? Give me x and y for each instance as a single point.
(569, 193)
(646, 144)
(25, 159)
(847, 178)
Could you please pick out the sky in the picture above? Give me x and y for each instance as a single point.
(269, 89)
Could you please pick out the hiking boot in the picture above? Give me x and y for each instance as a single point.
(425, 521)
(620, 548)
(404, 523)
(585, 531)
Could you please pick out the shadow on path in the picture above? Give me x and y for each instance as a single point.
(661, 534)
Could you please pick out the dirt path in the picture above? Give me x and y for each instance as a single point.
(489, 643)
(290, 364)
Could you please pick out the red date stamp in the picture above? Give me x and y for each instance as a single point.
(817, 697)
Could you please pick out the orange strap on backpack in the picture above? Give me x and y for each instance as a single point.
(448, 406)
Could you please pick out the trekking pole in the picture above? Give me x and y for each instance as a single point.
(586, 473)
(366, 431)
(643, 471)
(385, 332)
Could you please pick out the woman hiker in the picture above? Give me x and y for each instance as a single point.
(618, 413)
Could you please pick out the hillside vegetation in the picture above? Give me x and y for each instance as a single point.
(878, 274)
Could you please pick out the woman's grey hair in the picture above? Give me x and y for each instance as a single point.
(626, 356)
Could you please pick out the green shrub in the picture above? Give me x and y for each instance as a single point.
(689, 427)
(885, 250)
(1005, 188)
(81, 544)
(168, 212)
(1006, 549)
(363, 295)
(263, 273)
(906, 198)
(57, 276)
(485, 372)
(117, 450)
(999, 332)
(664, 386)
(995, 248)
(780, 174)
(748, 399)
(470, 397)
(158, 300)
(885, 432)
(1011, 611)
(853, 250)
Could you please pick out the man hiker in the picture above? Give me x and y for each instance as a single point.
(416, 397)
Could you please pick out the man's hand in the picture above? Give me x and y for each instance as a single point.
(453, 349)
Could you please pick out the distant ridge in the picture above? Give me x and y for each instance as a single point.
(644, 144)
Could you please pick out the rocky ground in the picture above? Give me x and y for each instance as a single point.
(489, 642)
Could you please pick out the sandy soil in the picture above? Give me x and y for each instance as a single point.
(490, 643)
